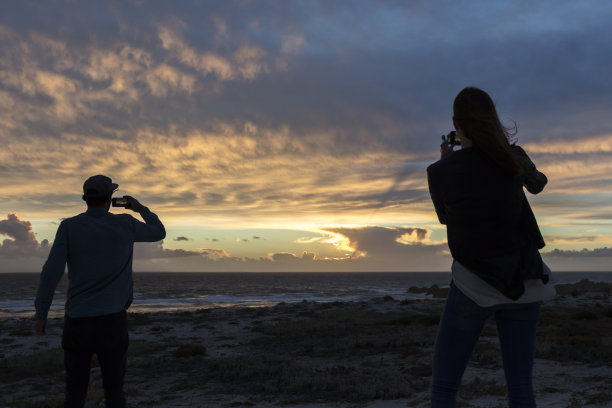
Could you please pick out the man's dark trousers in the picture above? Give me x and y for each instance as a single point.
(107, 337)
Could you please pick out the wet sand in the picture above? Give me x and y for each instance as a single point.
(372, 354)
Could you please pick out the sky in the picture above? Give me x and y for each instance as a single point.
(294, 135)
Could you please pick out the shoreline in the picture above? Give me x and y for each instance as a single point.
(373, 354)
(154, 301)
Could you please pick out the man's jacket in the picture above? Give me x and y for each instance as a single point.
(98, 248)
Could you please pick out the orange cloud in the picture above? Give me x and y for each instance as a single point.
(246, 63)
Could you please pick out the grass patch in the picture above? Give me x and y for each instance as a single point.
(342, 352)
(270, 374)
(23, 366)
(573, 334)
(351, 332)
(478, 387)
(140, 348)
(335, 322)
(599, 398)
(584, 315)
(55, 401)
(189, 350)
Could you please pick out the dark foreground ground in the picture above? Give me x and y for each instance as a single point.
(355, 354)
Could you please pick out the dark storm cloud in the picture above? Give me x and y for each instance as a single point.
(19, 230)
(21, 240)
(383, 243)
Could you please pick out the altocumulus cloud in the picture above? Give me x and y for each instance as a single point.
(184, 92)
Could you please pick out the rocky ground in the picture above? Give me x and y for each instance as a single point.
(305, 355)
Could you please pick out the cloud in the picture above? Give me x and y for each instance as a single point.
(215, 253)
(381, 241)
(286, 257)
(21, 241)
(205, 62)
(181, 239)
(156, 250)
(361, 249)
(583, 253)
(244, 114)
(564, 239)
(364, 249)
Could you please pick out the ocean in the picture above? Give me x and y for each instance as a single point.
(174, 291)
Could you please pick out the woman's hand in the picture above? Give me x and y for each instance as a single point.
(445, 150)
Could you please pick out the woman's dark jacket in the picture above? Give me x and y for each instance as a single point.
(490, 225)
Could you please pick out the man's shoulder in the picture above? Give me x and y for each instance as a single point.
(85, 218)
(72, 220)
(121, 215)
(123, 218)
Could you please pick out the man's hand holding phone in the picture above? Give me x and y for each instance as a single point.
(128, 202)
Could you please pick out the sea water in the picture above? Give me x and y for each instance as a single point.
(174, 291)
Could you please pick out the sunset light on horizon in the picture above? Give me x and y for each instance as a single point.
(294, 136)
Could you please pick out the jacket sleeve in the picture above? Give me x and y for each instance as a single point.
(149, 231)
(435, 191)
(534, 179)
(51, 273)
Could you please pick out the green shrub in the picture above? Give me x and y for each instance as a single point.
(23, 366)
(584, 315)
(189, 350)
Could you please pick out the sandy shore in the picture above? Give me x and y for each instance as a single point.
(354, 354)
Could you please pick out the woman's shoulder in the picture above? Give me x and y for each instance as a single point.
(463, 157)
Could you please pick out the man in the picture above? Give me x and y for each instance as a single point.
(98, 248)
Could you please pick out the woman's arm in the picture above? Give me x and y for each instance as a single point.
(534, 180)
(435, 191)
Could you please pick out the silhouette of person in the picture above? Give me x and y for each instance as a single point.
(97, 246)
(494, 240)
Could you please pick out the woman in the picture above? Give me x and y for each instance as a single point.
(494, 240)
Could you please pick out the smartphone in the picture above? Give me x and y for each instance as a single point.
(119, 202)
(452, 139)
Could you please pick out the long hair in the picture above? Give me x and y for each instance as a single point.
(475, 113)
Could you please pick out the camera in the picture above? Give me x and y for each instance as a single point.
(451, 139)
(119, 202)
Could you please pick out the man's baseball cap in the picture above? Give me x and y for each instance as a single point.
(98, 186)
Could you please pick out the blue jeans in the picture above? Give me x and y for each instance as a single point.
(459, 330)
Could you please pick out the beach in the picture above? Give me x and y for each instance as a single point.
(369, 353)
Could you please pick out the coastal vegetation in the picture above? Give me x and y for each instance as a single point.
(350, 353)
